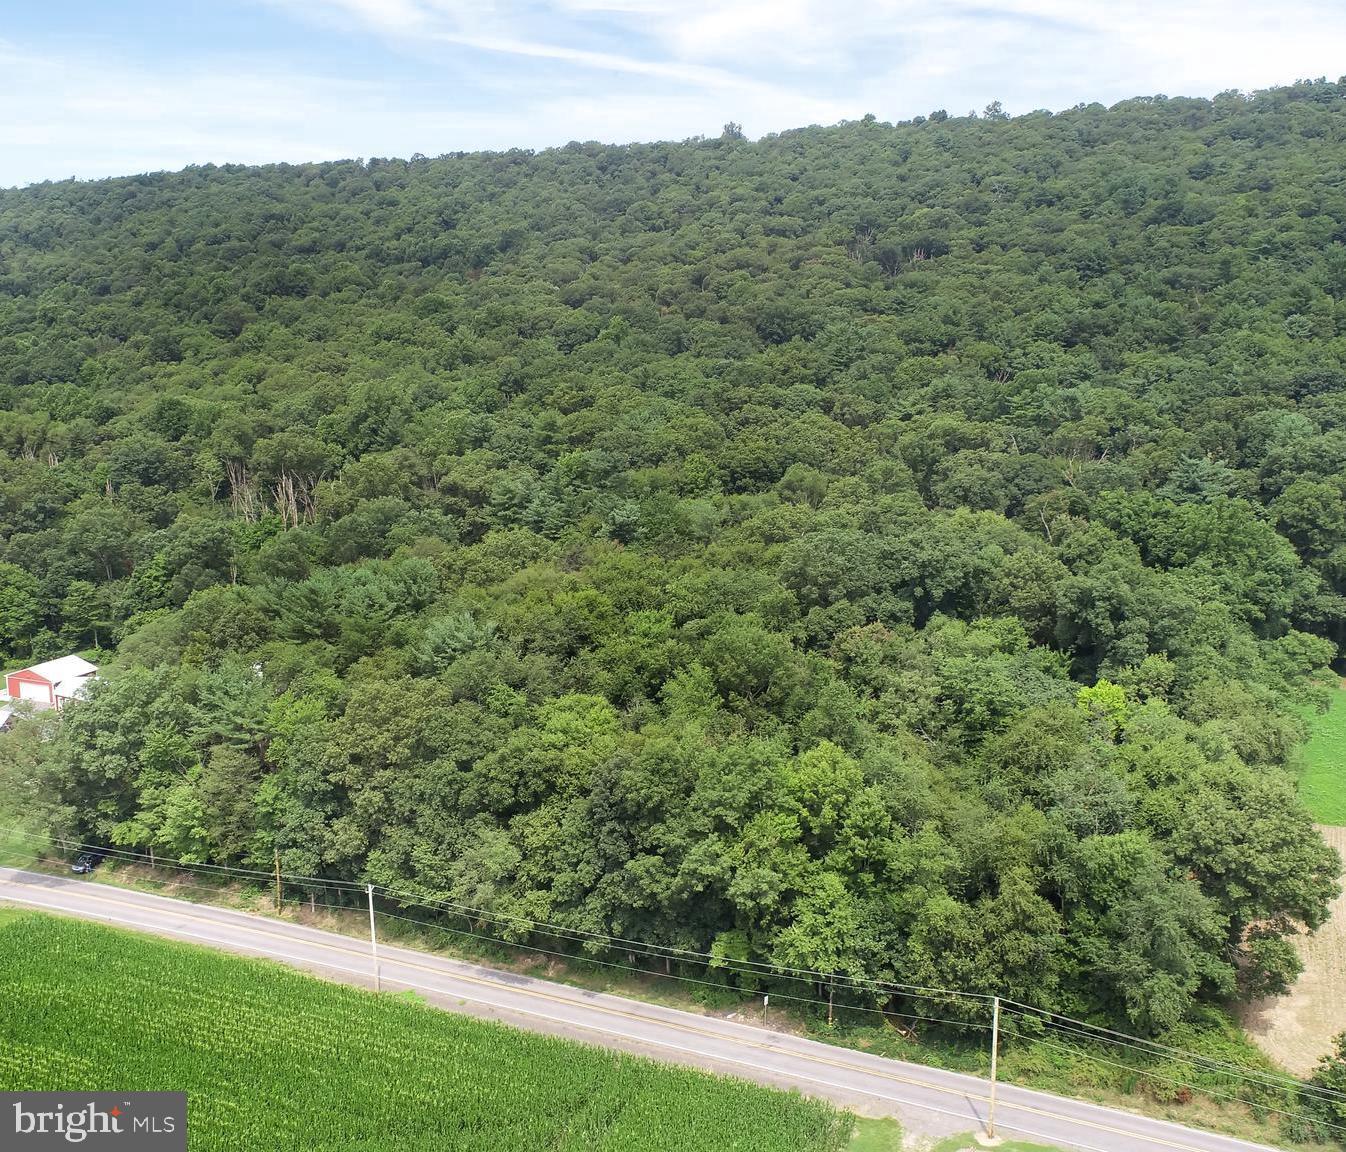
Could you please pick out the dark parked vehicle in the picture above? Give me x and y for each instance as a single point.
(87, 861)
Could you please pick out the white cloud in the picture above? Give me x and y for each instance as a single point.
(1187, 46)
(774, 64)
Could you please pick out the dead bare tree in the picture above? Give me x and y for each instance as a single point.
(244, 499)
(287, 499)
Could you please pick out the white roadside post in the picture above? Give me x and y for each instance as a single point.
(373, 937)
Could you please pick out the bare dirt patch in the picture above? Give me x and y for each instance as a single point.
(1297, 1029)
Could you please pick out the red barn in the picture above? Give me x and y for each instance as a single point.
(51, 684)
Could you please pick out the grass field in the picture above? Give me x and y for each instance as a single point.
(278, 1060)
(875, 1136)
(1322, 784)
(968, 1143)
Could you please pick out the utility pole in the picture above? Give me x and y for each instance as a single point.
(277, 881)
(995, 1055)
(373, 938)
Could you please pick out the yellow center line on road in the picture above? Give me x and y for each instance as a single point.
(251, 925)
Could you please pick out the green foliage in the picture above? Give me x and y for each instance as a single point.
(448, 637)
(1105, 704)
(243, 1038)
(905, 551)
(1328, 1108)
(20, 611)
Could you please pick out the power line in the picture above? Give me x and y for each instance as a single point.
(156, 861)
(660, 951)
(1253, 1076)
(1212, 1067)
(761, 969)
(578, 935)
(1205, 1091)
(1166, 1051)
(671, 976)
(743, 967)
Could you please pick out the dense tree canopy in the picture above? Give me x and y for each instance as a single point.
(900, 551)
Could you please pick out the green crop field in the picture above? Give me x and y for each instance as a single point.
(272, 1059)
(1323, 782)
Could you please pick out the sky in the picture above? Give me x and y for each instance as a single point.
(93, 88)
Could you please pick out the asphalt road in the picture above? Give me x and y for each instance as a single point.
(869, 1084)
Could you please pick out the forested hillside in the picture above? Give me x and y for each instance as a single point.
(894, 550)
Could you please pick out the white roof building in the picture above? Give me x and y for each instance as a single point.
(51, 683)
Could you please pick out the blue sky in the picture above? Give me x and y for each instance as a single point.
(94, 88)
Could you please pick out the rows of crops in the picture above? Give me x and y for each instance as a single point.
(273, 1059)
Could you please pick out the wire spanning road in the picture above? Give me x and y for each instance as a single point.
(871, 1084)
